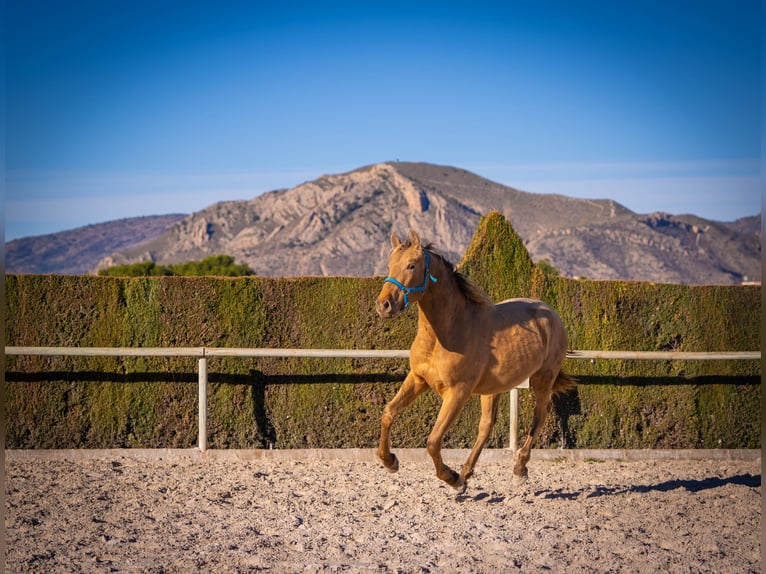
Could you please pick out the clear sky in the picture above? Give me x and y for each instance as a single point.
(123, 108)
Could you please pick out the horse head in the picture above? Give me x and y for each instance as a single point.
(408, 276)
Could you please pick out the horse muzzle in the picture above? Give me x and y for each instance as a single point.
(387, 306)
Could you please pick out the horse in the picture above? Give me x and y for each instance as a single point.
(465, 344)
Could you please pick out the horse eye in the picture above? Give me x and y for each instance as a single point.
(411, 266)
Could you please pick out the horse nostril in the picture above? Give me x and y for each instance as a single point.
(384, 308)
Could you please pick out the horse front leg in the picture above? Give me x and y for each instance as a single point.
(453, 401)
(489, 408)
(412, 387)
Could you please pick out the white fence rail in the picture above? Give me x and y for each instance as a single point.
(203, 353)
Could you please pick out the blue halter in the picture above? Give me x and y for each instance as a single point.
(408, 290)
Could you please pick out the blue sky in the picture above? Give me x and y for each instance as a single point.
(118, 109)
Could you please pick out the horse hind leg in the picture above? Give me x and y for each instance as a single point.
(542, 387)
(412, 387)
(489, 408)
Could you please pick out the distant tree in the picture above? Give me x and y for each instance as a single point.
(143, 269)
(547, 269)
(216, 265)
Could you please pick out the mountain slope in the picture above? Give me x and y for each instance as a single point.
(341, 224)
(78, 251)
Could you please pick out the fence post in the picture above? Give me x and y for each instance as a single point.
(513, 443)
(202, 439)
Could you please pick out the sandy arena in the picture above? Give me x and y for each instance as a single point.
(120, 514)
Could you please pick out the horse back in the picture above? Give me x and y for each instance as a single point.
(521, 311)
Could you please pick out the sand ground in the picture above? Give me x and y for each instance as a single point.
(118, 514)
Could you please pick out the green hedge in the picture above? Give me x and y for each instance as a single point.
(80, 402)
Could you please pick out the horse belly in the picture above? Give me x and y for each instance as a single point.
(510, 368)
(492, 385)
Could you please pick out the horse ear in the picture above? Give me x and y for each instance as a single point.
(395, 242)
(414, 238)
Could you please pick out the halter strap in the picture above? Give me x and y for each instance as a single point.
(408, 290)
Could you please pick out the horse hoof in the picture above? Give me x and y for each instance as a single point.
(392, 465)
(519, 479)
(459, 485)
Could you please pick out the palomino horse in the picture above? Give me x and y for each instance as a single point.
(467, 345)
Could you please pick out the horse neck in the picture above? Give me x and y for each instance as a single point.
(443, 304)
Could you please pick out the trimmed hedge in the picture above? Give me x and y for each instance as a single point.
(81, 402)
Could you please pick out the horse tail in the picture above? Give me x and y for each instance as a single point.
(563, 383)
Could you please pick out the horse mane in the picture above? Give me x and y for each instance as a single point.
(467, 288)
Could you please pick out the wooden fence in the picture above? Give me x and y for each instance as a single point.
(203, 353)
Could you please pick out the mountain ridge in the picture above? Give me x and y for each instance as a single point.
(77, 251)
(340, 224)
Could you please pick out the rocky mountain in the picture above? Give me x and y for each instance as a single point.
(78, 251)
(341, 224)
